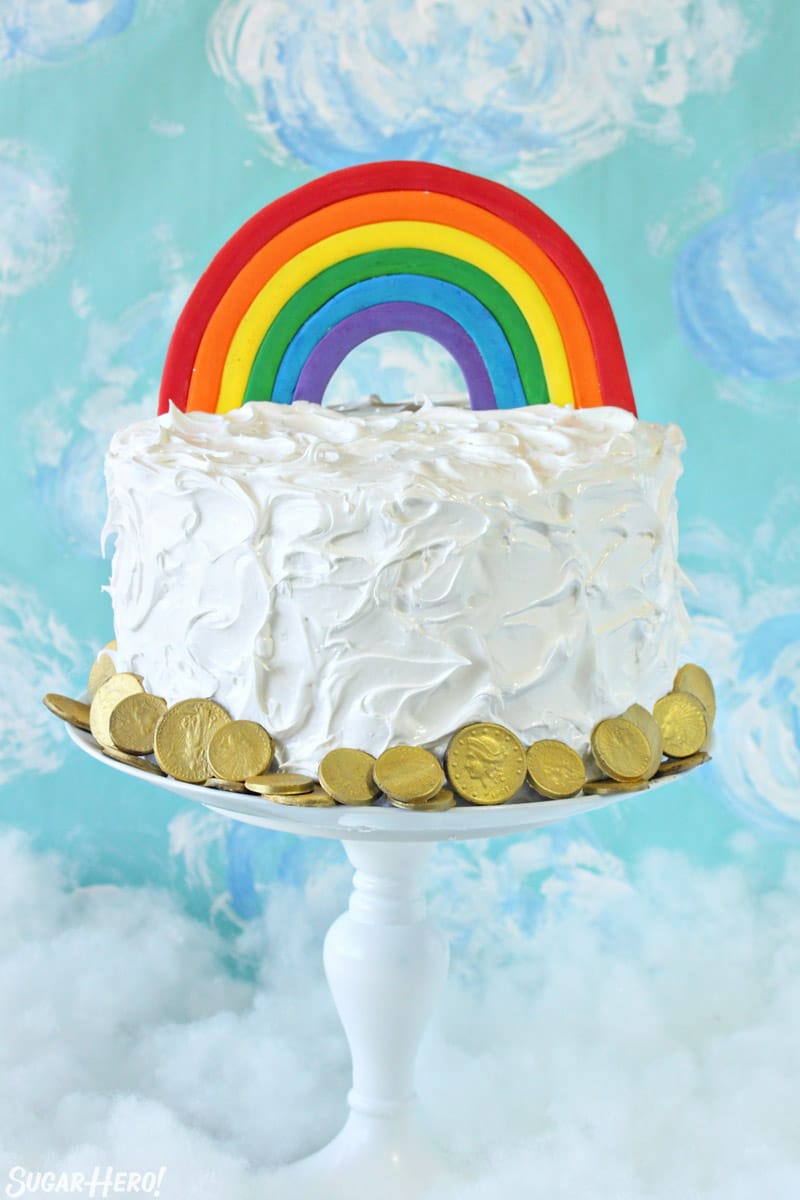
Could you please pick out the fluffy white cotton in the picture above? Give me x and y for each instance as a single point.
(531, 89)
(640, 1042)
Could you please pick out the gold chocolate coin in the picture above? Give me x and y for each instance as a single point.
(649, 726)
(132, 723)
(347, 776)
(141, 764)
(620, 749)
(102, 669)
(555, 770)
(613, 787)
(408, 773)
(183, 735)
(697, 683)
(486, 763)
(317, 797)
(225, 785)
(676, 766)
(106, 699)
(280, 783)
(683, 723)
(74, 712)
(439, 803)
(240, 750)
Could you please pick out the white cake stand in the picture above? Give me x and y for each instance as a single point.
(386, 963)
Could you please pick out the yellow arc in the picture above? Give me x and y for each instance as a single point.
(422, 235)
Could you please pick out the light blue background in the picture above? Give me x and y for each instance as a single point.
(136, 137)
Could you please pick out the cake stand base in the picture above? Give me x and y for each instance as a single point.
(386, 964)
(370, 1160)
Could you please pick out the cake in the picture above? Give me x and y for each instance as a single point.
(379, 578)
(367, 580)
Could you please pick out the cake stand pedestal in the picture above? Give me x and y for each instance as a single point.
(386, 963)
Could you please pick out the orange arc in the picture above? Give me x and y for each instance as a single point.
(376, 207)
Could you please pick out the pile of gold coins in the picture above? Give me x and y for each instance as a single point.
(197, 741)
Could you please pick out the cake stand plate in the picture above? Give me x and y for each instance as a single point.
(386, 964)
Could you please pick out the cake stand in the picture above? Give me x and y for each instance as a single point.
(386, 964)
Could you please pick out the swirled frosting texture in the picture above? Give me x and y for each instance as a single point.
(373, 579)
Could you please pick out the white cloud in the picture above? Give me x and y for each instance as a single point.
(37, 655)
(36, 225)
(532, 90)
(395, 367)
(747, 632)
(637, 1049)
(67, 435)
(53, 30)
(735, 285)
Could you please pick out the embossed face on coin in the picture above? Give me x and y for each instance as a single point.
(555, 770)
(486, 763)
(683, 722)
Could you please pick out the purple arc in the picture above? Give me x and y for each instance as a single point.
(394, 316)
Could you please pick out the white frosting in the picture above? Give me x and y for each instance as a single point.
(368, 580)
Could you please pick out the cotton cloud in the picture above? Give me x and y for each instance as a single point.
(53, 30)
(36, 225)
(634, 1049)
(747, 631)
(735, 284)
(532, 90)
(37, 655)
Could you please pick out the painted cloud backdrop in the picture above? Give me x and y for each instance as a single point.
(53, 30)
(621, 985)
(35, 220)
(737, 281)
(529, 89)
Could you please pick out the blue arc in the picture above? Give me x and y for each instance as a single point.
(477, 322)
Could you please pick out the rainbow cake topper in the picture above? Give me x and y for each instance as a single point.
(398, 246)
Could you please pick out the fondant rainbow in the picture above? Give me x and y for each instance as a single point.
(398, 245)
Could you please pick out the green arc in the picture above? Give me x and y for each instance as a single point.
(403, 260)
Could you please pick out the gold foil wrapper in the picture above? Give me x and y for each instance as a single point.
(280, 783)
(183, 736)
(132, 724)
(316, 797)
(74, 712)
(348, 776)
(486, 763)
(132, 760)
(697, 682)
(101, 670)
(677, 766)
(614, 787)
(621, 750)
(441, 802)
(555, 770)
(106, 699)
(240, 750)
(683, 723)
(408, 773)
